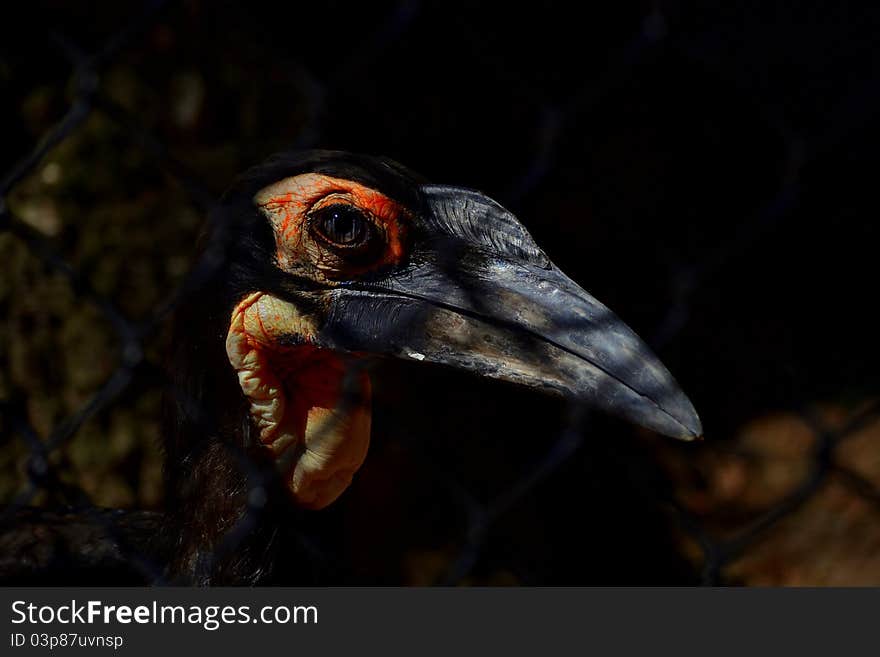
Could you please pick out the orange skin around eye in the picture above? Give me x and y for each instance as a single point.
(288, 202)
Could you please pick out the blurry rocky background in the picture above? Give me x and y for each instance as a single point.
(708, 170)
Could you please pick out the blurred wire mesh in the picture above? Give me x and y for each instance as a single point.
(123, 129)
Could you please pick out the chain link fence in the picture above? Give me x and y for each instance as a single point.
(44, 456)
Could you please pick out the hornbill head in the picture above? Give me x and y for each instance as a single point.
(339, 256)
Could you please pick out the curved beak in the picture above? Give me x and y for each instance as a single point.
(480, 295)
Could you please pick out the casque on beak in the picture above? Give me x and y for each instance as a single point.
(478, 294)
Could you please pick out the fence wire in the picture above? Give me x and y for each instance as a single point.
(478, 516)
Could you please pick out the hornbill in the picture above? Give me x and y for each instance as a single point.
(320, 261)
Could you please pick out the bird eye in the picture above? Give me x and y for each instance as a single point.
(342, 225)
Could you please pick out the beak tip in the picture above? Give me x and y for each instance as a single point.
(691, 437)
(678, 417)
(692, 425)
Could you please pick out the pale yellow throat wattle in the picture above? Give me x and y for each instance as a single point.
(310, 405)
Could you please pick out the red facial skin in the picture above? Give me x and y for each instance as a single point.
(288, 203)
(310, 400)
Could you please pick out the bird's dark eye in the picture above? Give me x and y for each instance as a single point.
(342, 225)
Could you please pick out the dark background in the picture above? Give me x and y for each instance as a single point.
(707, 170)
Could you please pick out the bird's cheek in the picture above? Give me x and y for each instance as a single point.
(272, 321)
